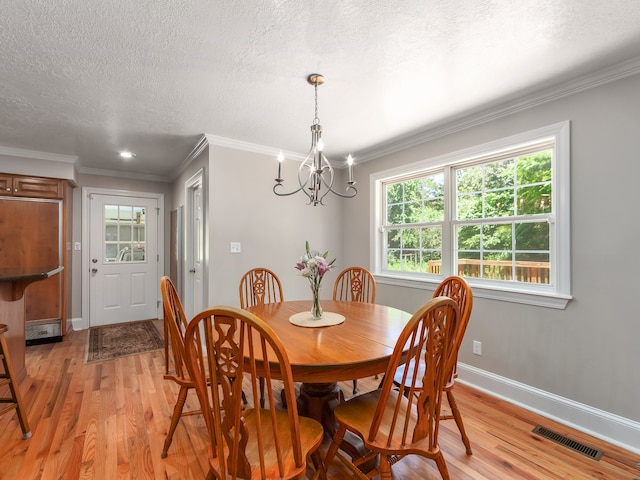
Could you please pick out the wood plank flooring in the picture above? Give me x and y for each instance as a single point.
(108, 420)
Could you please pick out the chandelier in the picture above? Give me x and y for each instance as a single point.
(315, 174)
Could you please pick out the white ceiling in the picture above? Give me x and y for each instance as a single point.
(87, 79)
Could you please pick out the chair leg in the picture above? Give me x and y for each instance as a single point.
(14, 388)
(335, 444)
(355, 470)
(385, 468)
(442, 466)
(355, 386)
(175, 418)
(458, 418)
(318, 463)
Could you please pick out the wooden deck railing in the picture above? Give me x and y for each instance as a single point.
(530, 272)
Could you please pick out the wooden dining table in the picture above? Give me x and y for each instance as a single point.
(320, 357)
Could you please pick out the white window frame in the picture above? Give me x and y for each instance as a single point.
(555, 295)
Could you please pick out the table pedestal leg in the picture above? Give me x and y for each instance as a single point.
(317, 401)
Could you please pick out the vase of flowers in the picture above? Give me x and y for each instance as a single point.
(313, 266)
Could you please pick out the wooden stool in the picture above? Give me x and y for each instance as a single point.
(7, 378)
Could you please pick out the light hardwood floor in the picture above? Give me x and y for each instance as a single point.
(108, 420)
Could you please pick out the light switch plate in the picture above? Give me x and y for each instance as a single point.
(234, 247)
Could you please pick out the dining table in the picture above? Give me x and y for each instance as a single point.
(358, 343)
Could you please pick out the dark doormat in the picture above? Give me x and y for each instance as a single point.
(113, 341)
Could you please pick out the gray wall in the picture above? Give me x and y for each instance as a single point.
(590, 351)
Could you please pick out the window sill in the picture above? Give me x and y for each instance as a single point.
(500, 293)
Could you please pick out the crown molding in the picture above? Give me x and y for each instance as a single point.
(251, 147)
(197, 149)
(207, 139)
(36, 155)
(123, 174)
(466, 121)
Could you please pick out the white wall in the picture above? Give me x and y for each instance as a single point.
(583, 359)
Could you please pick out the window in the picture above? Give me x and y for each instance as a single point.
(496, 215)
(124, 233)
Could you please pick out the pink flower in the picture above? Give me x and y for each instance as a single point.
(323, 268)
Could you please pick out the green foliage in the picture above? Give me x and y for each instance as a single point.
(491, 193)
(416, 201)
(502, 189)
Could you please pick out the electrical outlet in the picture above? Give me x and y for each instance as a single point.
(234, 247)
(477, 347)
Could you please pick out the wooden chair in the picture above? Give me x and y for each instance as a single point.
(248, 442)
(355, 284)
(8, 378)
(175, 326)
(394, 422)
(257, 287)
(459, 291)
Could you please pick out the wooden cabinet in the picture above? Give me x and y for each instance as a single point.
(33, 187)
(35, 220)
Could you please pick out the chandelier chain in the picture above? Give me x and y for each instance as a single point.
(316, 120)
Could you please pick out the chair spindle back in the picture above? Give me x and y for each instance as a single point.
(259, 286)
(355, 284)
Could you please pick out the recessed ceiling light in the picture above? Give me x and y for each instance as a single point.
(127, 154)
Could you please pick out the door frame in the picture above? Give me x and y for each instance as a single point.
(197, 180)
(86, 236)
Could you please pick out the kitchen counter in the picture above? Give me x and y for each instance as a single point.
(13, 282)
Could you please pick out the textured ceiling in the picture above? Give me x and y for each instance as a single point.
(87, 79)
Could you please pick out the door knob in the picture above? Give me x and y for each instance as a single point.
(94, 270)
(193, 270)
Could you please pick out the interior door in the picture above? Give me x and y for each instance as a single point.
(196, 251)
(124, 278)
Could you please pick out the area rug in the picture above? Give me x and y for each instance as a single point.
(113, 341)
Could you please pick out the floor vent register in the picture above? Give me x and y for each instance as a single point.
(568, 442)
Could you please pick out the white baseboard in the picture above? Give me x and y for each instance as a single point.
(612, 428)
(79, 324)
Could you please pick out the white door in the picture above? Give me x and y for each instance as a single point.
(195, 301)
(124, 278)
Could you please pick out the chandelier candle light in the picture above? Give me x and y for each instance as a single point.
(313, 266)
(315, 172)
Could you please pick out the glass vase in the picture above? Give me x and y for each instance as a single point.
(316, 308)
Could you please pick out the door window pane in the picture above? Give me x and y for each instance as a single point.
(124, 234)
